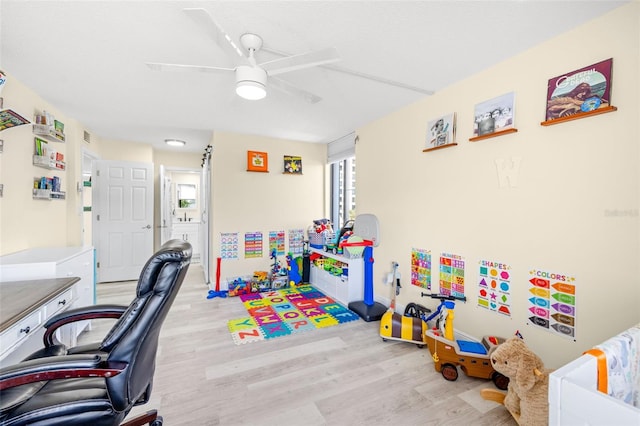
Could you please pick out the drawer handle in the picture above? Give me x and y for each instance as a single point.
(25, 330)
(62, 302)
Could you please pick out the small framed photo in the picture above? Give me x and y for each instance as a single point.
(292, 165)
(441, 132)
(494, 115)
(257, 161)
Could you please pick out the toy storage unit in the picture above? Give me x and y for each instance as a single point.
(574, 397)
(344, 289)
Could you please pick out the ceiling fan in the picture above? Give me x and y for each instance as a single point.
(252, 78)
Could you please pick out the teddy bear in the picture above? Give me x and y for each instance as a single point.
(527, 394)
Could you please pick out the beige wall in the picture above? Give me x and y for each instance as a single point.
(558, 215)
(248, 201)
(25, 222)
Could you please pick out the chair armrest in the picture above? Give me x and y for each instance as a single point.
(79, 314)
(57, 367)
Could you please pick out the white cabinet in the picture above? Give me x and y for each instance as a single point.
(188, 231)
(55, 262)
(344, 289)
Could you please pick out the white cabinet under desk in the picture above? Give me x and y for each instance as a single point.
(54, 262)
(344, 289)
(24, 308)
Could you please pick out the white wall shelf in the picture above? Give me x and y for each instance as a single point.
(48, 133)
(47, 163)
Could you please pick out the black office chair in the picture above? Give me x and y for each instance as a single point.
(98, 385)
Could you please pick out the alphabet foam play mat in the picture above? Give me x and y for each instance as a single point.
(282, 312)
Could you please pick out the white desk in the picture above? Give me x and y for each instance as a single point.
(24, 308)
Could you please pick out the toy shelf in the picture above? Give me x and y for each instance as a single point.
(344, 289)
(47, 194)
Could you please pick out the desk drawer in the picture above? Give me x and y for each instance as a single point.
(58, 303)
(20, 331)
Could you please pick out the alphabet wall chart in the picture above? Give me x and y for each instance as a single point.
(552, 302)
(229, 245)
(253, 244)
(494, 287)
(421, 268)
(452, 274)
(296, 241)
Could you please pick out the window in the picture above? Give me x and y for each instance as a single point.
(343, 192)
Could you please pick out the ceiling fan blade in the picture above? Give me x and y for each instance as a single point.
(157, 66)
(303, 60)
(208, 23)
(359, 74)
(290, 89)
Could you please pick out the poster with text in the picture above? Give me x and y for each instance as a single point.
(296, 241)
(229, 245)
(494, 287)
(276, 242)
(421, 268)
(552, 302)
(451, 275)
(252, 244)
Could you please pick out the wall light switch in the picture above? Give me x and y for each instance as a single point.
(1, 189)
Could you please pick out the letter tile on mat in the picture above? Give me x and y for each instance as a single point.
(245, 330)
(287, 311)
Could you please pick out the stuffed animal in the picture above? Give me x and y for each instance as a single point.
(527, 394)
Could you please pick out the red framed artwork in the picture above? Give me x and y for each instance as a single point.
(257, 161)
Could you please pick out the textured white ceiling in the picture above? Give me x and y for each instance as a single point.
(88, 58)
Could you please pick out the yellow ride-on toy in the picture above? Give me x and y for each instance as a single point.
(406, 328)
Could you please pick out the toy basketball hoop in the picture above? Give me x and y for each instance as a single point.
(366, 233)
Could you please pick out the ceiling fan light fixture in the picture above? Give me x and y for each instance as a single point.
(251, 82)
(175, 142)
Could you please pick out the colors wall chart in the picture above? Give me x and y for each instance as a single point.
(552, 302)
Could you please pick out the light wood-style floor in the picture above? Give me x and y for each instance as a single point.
(342, 375)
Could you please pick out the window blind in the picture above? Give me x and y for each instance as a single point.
(341, 148)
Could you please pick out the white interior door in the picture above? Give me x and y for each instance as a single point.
(122, 218)
(166, 217)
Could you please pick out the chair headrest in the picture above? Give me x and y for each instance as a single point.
(173, 251)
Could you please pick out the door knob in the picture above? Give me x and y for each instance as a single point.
(146, 227)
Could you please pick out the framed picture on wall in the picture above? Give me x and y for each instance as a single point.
(441, 132)
(257, 161)
(581, 91)
(494, 115)
(292, 165)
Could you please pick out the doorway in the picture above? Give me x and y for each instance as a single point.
(182, 207)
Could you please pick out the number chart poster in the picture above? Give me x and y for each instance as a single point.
(452, 275)
(552, 302)
(421, 268)
(296, 241)
(494, 287)
(276, 242)
(253, 244)
(229, 245)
